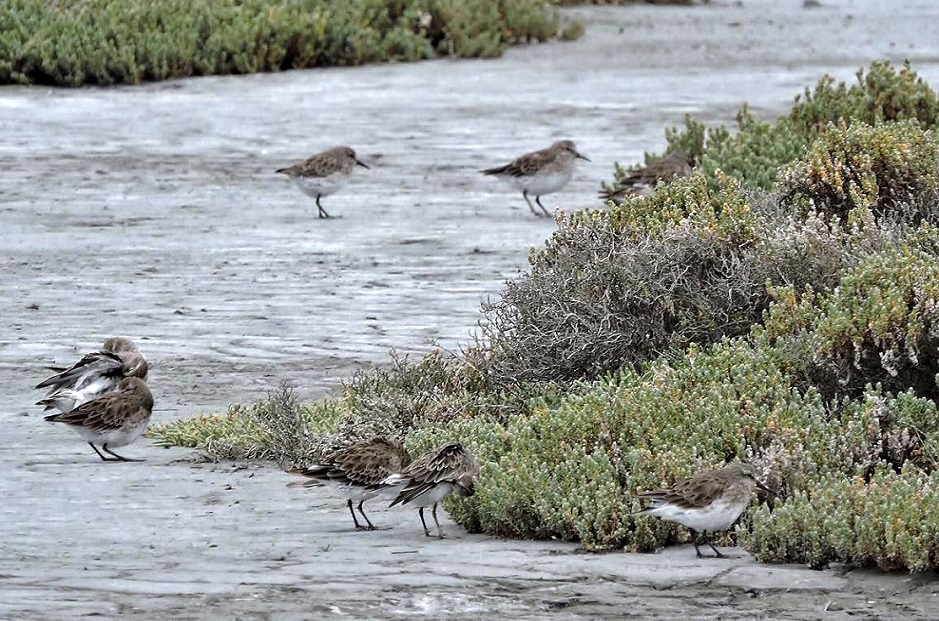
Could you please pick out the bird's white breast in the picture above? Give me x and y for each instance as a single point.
(320, 186)
(719, 515)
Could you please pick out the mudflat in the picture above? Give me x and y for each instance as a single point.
(154, 212)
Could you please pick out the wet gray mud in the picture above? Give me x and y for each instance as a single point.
(153, 212)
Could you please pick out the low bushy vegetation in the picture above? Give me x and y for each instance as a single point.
(74, 42)
(757, 150)
(795, 327)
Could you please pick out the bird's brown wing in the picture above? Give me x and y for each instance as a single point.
(109, 412)
(446, 464)
(524, 166)
(365, 464)
(692, 493)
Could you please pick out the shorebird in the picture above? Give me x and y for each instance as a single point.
(323, 173)
(359, 472)
(433, 476)
(540, 172)
(97, 373)
(706, 503)
(112, 420)
(643, 180)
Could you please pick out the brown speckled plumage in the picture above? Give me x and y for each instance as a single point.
(114, 419)
(361, 469)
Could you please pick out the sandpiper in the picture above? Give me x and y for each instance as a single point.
(433, 476)
(112, 420)
(359, 471)
(708, 502)
(540, 172)
(643, 180)
(95, 374)
(323, 173)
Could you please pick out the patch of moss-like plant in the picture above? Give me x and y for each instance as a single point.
(278, 428)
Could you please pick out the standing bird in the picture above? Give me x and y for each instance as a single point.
(359, 471)
(708, 502)
(323, 173)
(540, 172)
(643, 180)
(113, 420)
(95, 374)
(435, 474)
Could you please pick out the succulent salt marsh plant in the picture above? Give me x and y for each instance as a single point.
(690, 264)
(757, 150)
(880, 324)
(889, 169)
(74, 42)
(278, 428)
(888, 521)
(818, 366)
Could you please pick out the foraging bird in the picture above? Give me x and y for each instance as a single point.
(96, 374)
(323, 174)
(359, 471)
(434, 475)
(540, 172)
(643, 180)
(113, 420)
(708, 502)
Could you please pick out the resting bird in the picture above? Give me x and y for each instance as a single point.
(96, 374)
(643, 180)
(112, 420)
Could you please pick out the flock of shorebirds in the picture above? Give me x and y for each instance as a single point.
(535, 174)
(104, 397)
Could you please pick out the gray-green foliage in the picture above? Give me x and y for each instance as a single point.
(73, 42)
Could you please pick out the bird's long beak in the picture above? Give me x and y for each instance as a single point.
(763, 487)
(581, 157)
(362, 164)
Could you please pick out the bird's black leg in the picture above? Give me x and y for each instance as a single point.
(367, 521)
(103, 458)
(322, 212)
(694, 542)
(354, 519)
(530, 206)
(426, 530)
(546, 212)
(104, 447)
(437, 522)
(716, 551)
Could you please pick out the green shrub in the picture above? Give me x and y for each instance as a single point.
(689, 264)
(277, 428)
(74, 42)
(888, 521)
(879, 325)
(889, 169)
(675, 332)
(882, 94)
(759, 149)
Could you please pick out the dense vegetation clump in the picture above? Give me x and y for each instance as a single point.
(795, 326)
(74, 42)
(757, 150)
